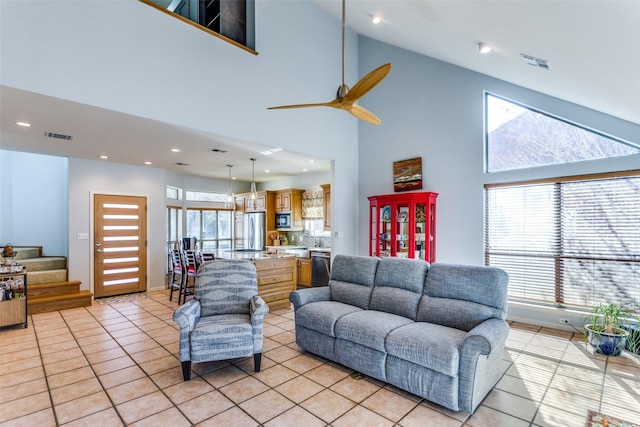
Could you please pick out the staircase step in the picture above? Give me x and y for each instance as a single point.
(25, 252)
(59, 302)
(49, 276)
(52, 289)
(44, 263)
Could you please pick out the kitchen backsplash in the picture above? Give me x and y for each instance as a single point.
(298, 238)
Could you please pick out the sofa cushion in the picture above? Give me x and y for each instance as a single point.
(322, 316)
(369, 327)
(463, 296)
(398, 286)
(426, 344)
(352, 279)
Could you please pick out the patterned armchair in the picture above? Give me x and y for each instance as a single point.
(224, 319)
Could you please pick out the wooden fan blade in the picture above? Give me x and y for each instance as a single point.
(364, 114)
(320, 104)
(367, 83)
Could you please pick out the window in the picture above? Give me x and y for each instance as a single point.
(174, 229)
(173, 193)
(567, 242)
(521, 137)
(204, 196)
(212, 228)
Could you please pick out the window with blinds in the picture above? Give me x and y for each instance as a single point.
(571, 242)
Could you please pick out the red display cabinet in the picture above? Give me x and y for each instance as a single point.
(403, 225)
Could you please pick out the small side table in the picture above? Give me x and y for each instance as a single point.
(14, 311)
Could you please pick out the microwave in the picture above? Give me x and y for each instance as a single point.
(283, 220)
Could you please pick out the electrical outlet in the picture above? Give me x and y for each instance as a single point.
(83, 236)
(564, 321)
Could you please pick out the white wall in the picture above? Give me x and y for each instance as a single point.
(34, 202)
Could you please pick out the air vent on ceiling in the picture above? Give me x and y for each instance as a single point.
(181, 164)
(536, 62)
(58, 136)
(218, 150)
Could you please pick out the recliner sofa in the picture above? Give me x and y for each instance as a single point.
(437, 331)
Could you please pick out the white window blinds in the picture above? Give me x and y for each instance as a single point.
(567, 243)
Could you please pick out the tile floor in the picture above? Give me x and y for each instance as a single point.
(116, 364)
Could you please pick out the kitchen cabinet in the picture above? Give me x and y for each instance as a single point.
(13, 307)
(304, 272)
(290, 201)
(403, 225)
(262, 203)
(276, 280)
(326, 207)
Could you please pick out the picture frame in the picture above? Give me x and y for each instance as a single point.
(407, 175)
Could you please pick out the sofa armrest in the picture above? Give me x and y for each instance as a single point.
(480, 362)
(186, 317)
(305, 296)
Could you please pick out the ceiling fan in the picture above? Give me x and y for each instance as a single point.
(346, 98)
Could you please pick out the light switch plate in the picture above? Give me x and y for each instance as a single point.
(83, 236)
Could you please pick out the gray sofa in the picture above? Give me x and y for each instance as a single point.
(435, 331)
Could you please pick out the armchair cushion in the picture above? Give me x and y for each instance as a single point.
(227, 336)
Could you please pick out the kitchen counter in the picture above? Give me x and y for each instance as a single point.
(250, 255)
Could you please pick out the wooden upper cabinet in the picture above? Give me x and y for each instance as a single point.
(326, 206)
(290, 201)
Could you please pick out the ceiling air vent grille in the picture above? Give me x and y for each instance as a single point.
(58, 136)
(181, 164)
(536, 62)
(218, 150)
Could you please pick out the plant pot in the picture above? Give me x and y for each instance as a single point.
(605, 343)
(633, 340)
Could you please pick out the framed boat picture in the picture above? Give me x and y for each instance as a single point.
(407, 175)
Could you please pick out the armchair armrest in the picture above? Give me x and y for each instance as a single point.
(186, 317)
(258, 309)
(305, 296)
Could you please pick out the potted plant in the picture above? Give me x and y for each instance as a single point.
(603, 328)
(633, 340)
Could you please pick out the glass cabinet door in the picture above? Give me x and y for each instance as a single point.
(402, 230)
(420, 230)
(385, 230)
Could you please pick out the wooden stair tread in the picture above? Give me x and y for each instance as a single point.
(53, 284)
(76, 295)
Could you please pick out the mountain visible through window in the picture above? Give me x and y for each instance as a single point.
(520, 137)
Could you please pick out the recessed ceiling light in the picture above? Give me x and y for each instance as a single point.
(484, 48)
(175, 150)
(103, 157)
(312, 161)
(24, 124)
(305, 169)
(376, 19)
(148, 163)
(267, 171)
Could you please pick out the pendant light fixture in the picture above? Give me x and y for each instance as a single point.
(230, 202)
(254, 193)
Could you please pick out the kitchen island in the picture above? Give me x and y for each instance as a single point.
(276, 274)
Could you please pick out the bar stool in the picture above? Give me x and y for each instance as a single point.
(177, 269)
(191, 268)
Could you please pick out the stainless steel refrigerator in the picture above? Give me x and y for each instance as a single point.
(255, 231)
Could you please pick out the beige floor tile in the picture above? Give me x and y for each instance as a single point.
(296, 417)
(205, 406)
(302, 363)
(390, 405)
(527, 389)
(143, 407)
(92, 339)
(224, 376)
(511, 404)
(569, 402)
(356, 390)
(43, 418)
(327, 375)
(121, 376)
(131, 390)
(138, 346)
(133, 338)
(275, 375)
(328, 405)
(187, 390)
(549, 416)
(362, 416)
(575, 386)
(106, 418)
(272, 330)
(243, 389)
(266, 406)
(299, 389)
(21, 390)
(82, 333)
(158, 365)
(421, 416)
(284, 338)
(120, 333)
(281, 354)
(99, 347)
(52, 348)
(24, 406)
(169, 377)
(150, 354)
(234, 416)
(25, 362)
(104, 355)
(170, 417)
(53, 332)
(485, 416)
(75, 390)
(112, 365)
(70, 377)
(65, 365)
(80, 408)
